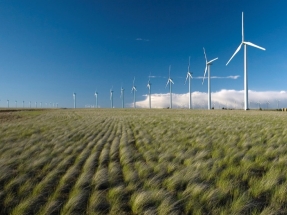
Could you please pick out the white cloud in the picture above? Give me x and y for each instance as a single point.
(141, 39)
(222, 98)
(218, 77)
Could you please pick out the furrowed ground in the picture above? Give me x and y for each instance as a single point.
(143, 162)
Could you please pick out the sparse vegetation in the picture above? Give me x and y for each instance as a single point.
(98, 161)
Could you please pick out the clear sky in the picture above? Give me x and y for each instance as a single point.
(50, 49)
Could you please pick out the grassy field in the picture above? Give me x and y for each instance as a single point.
(143, 162)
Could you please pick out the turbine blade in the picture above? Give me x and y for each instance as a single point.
(167, 83)
(204, 74)
(205, 55)
(186, 78)
(237, 50)
(256, 46)
(212, 60)
(242, 28)
(171, 81)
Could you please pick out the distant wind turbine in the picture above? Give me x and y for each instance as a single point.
(16, 104)
(30, 104)
(23, 104)
(123, 97)
(244, 43)
(74, 97)
(8, 103)
(149, 91)
(112, 97)
(134, 89)
(170, 82)
(207, 68)
(96, 95)
(189, 76)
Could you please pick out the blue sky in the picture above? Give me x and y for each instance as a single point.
(50, 49)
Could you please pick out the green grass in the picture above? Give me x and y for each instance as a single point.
(113, 161)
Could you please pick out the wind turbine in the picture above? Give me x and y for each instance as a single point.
(16, 104)
(36, 104)
(244, 43)
(30, 104)
(74, 96)
(123, 97)
(149, 91)
(40, 104)
(8, 103)
(134, 89)
(169, 81)
(112, 98)
(23, 104)
(189, 76)
(96, 95)
(207, 67)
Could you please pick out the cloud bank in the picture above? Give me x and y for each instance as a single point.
(218, 77)
(223, 98)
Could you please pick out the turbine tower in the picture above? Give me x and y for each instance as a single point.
(123, 97)
(96, 95)
(189, 76)
(23, 104)
(207, 67)
(134, 89)
(112, 98)
(74, 96)
(149, 91)
(16, 104)
(8, 103)
(169, 81)
(30, 104)
(244, 43)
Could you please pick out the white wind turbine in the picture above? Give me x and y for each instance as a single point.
(134, 89)
(96, 95)
(207, 68)
(123, 97)
(74, 96)
(112, 97)
(244, 43)
(149, 91)
(189, 76)
(169, 81)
